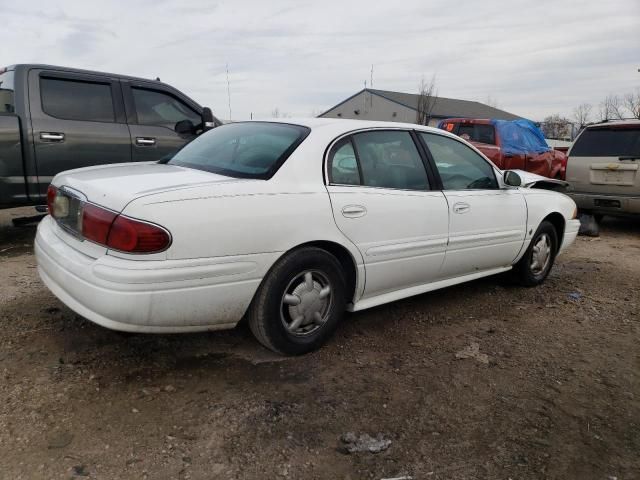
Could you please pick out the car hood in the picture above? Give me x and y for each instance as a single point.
(114, 186)
(533, 180)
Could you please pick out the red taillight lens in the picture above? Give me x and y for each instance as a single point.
(96, 223)
(133, 236)
(51, 196)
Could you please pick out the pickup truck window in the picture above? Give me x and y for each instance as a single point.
(477, 133)
(157, 108)
(77, 100)
(6, 92)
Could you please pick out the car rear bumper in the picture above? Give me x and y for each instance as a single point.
(611, 204)
(166, 296)
(570, 234)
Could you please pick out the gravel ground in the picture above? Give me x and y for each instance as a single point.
(483, 380)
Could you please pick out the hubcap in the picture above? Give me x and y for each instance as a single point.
(305, 303)
(541, 254)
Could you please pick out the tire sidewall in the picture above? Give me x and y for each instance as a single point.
(280, 277)
(529, 277)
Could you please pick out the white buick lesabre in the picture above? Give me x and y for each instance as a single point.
(288, 224)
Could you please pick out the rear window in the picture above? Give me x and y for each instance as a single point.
(608, 142)
(6, 92)
(77, 100)
(477, 133)
(248, 150)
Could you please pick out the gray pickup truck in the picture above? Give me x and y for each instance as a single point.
(56, 118)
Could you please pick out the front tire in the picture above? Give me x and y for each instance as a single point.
(534, 266)
(299, 303)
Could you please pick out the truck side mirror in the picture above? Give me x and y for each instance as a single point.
(207, 119)
(512, 179)
(185, 127)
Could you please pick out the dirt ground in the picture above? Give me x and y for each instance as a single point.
(549, 386)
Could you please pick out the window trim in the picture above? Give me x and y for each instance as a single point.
(431, 181)
(455, 138)
(118, 113)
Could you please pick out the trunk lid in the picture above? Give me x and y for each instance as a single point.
(114, 186)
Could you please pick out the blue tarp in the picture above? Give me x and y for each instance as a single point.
(517, 136)
(520, 136)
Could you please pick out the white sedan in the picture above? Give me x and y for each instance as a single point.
(288, 224)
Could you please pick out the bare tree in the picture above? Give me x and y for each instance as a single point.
(556, 126)
(276, 113)
(492, 102)
(632, 103)
(427, 98)
(581, 114)
(611, 108)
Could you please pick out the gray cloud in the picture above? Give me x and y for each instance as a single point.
(535, 58)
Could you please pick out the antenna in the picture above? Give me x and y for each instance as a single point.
(371, 85)
(228, 92)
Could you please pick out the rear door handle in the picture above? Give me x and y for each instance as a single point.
(52, 136)
(145, 141)
(354, 211)
(461, 207)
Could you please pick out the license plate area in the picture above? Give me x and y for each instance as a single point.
(606, 203)
(613, 174)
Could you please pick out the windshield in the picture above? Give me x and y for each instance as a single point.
(608, 142)
(249, 149)
(6, 92)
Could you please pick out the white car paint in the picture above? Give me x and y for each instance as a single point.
(228, 232)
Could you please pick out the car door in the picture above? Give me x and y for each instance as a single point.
(152, 113)
(382, 201)
(77, 121)
(487, 224)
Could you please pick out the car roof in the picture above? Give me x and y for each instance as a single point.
(614, 123)
(79, 70)
(347, 125)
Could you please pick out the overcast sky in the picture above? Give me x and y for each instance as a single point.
(533, 57)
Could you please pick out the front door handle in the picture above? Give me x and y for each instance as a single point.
(461, 207)
(354, 211)
(145, 141)
(52, 136)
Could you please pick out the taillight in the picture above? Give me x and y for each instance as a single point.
(96, 223)
(133, 236)
(122, 233)
(51, 196)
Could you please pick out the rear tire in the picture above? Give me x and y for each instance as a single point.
(299, 303)
(534, 266)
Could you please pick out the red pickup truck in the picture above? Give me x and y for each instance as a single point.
(515, 144)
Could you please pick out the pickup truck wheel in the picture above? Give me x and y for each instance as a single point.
(534, 266)
(299, 303)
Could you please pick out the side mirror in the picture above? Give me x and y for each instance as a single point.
(185, 127)
(512, 179)
(207, 119)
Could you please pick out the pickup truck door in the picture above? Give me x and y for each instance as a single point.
(77, 120)
(153, 110)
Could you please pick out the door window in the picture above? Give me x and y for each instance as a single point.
(162, 109)
(77, 100)
(343, 164)
(390, 159)
(459, 166)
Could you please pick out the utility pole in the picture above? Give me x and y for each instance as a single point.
(228, 92)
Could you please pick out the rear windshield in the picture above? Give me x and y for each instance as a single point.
(248, 150)
(608, 142)
(6, 92)
(477, 132)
